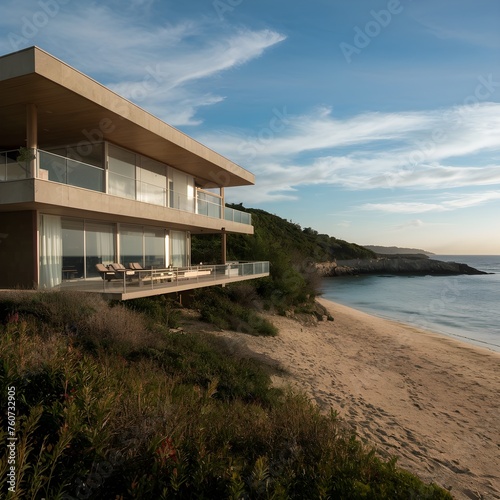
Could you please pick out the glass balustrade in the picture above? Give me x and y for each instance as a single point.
(171, 278)
(12, 167)
(57, 168)
(65, 170)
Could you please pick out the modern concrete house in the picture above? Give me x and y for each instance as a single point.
(88, 178)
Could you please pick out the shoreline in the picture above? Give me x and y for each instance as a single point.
(433, 328)
(424, 397)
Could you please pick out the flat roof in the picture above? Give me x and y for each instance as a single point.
(73, 108)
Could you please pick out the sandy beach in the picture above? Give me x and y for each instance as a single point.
(428, 399)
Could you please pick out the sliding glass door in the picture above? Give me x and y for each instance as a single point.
(178, 248)
(154, 248)
(131, 245)
(99, 246)
(51, 251)
(73, 248)
(70, 248)
(144, 245)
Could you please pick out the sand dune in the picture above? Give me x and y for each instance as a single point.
(429, 400)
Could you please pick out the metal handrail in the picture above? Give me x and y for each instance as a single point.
(170, 277)
(63, 167)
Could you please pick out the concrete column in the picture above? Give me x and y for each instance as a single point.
(223, 231)
(222, 202)
(224, 244)
(32, 134)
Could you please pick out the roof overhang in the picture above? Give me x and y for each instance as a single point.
(73, 108)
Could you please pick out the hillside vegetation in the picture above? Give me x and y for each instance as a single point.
(111, 404)
(276, 235)
(293, 283)
(397, 250)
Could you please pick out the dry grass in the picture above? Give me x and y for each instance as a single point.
(107, 408)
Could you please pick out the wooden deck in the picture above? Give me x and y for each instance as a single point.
(161, 281)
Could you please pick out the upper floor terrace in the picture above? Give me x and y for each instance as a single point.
(88, 177)
(119, 173)
(67, 141)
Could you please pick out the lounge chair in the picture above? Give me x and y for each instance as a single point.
(135, 266)
(106, 274)
(150, 275)
(121, 271)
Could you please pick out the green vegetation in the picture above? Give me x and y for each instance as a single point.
(292, 252)
(273, 234)
(233, 308)
(111, 404)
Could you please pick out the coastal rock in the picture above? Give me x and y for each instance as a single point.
(417, 265)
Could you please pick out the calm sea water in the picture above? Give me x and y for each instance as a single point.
(464, 307)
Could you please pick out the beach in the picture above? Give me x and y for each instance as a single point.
(431, 401)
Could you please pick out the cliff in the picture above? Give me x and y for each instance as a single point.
(394, 265)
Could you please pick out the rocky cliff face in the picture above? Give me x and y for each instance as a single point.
(394, 265)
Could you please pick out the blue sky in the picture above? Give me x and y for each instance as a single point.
(377, 122)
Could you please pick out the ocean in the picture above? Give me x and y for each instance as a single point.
(463, 307)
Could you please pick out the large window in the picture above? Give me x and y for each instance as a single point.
(70, 248)
(152, 182)
(141, 178)
(73, 241)
(154, 246)
(99, 246)
(50, 251)
(121, 175)
(178, 248)
(143, 245)
(131, 245)
(181, 190)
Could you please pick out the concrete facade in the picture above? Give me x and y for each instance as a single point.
(59, 130)
(18, 250)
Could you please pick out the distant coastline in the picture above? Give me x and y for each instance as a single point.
(380, 250)
(411, 265)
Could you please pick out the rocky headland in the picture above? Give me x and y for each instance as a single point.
(410, 265)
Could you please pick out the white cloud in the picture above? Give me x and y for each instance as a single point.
(411, 224)
(344, 223)
(476, 37)
(160, 67)
(446, 204)
(437, 149)
(403, 208)
(165, 85)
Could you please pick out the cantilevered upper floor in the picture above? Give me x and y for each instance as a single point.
(68, 142)
(89, 181)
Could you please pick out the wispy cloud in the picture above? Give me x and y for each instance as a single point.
(437, 149)
(485, 38)
(403, 208)
(161, 67)
(165, 85)
(452, 203)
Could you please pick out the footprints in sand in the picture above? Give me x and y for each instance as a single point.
(424, 403)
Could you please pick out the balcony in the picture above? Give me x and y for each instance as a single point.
(145, 283)
(12, 167)
(63, 170)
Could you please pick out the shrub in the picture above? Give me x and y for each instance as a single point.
(181, 418)
(217, 306)
(159, 309)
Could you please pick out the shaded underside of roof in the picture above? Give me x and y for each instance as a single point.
(74, 109)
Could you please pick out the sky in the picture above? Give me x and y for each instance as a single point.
(377, 122)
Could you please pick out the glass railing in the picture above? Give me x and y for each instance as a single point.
(65, 170)
(173, 277)
(208, 204)
(12, 167)
(237, 216)
(57, 168)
